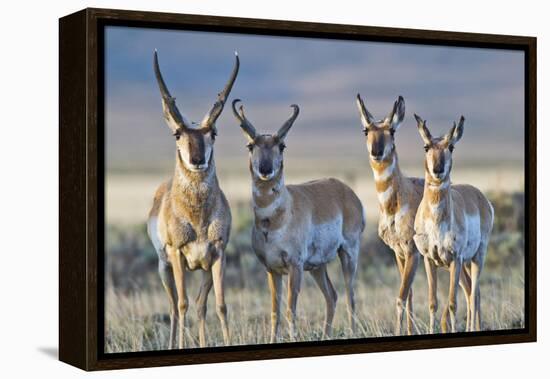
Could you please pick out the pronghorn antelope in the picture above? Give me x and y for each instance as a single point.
(190, 220)
(301, 227)
(398, 198)
(452, 228)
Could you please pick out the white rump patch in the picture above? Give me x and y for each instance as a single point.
(152, 229)
(473, 227)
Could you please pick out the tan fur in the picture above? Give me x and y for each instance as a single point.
(301, 227)
(190, 220)
(282, 243)
(194, 221)
(398, 232)
(452, 230)
(398, 199)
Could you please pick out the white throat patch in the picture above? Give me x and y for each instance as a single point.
(386, 174)
(383, 197)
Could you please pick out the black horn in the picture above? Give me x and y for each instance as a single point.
(281, 134)
(211, 117)
(246, 126)
(172, 115)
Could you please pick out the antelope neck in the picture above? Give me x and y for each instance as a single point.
(269, 196)
(439, 197)
(195, 182)
(387, 178)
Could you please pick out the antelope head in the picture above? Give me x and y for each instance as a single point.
(380, 134)
(439, 150)
(266, 150)
(194, 141)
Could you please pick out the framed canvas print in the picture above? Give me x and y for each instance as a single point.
(315, 189)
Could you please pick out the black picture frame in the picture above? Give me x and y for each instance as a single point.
(81, 165)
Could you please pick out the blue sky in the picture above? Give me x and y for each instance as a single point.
(322, 77)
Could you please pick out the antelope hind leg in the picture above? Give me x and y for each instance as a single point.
(294, 283)
(167, 278)
(466, 285)
(323, 281)
(349, 270)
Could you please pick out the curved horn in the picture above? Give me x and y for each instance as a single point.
(281, 133)
(172, 115)
(211, 117)
(366, 117)
(246, 126)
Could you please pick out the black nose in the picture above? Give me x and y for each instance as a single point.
(197, 161)
(266, 168)
(438, 172)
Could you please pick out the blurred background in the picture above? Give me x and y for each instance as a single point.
(322, 77)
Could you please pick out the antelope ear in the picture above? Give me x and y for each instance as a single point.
(423, 130)
(455, 134)
(397, 114)
(366, 117)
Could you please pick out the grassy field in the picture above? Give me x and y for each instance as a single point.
(138, 320)
(136, 306)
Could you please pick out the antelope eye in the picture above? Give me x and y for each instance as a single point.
(282, 146)
(213, 134)
(451, 148)
(365, 131)
(177, 136)
(250, 147)
(426, 148)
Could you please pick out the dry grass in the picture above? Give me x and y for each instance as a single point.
(136, 306)
(138, 320)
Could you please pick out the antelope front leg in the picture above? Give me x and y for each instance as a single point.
(275, 282)
(206, 286)
(409, 271)
(455, 269)
(432, 290)
(218, 270)
(294, 283)
(399, 302)
(178, 269)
